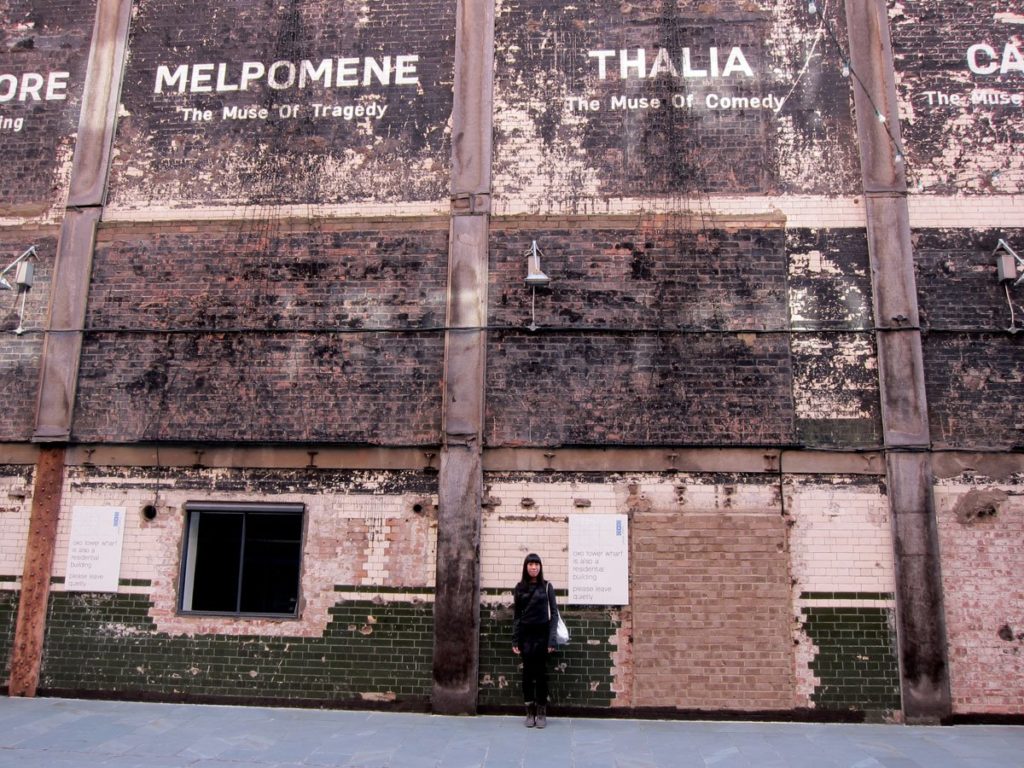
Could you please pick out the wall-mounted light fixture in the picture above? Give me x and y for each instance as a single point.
(1009, 269)
(534, 277)
(24, 275)
(1009, 265)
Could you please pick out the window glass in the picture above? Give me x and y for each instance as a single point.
(242, 559)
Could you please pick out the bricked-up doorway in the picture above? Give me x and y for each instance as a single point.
(711, 599)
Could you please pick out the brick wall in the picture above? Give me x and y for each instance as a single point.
(207, 336)
(311, 155)
(37, 134)
(15, 504)
(973, 368)
(981, 526)
(954, 144)
(835, 375)
(711, 608)
(20, 353)
(623, 336)
(554, 154)
(580, 674)
(843, 584)
(369, 653)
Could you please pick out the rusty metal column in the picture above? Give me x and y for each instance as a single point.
(63, 342)
(921, 627)
(460, 482)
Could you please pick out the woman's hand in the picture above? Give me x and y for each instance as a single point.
(551, 649)
(515, 649)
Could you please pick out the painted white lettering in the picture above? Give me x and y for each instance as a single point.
(201, 76)
(688, 70)
(245, 113)
(602, 62)
(222, 83)
(347, 73)
(737, 62)
(307, 72)
(637, 64)
(1013, 61)
(405, 70)
(251, 70)
(12, 124)
(978, 68)
(31, 85)
(272, 75)
(382, 71)
(164, 78)
(57, 86)
(662, 63)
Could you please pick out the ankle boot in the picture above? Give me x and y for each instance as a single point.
(542, 716)
(531, 714)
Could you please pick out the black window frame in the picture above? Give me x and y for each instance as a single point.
(186, 580)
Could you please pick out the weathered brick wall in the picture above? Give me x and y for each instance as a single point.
(20, 353)
(725, 572)
(15, 504)
(44, 47)
(981, 526)
(711, 602)
(251, 334)
(961, 125)
(973, 368)
(835, 374)
(369, 653)
(658, 334)
(169, 157)
(626, 319)
(579, 674)
(16, 493)
(843, 586)
(8, 618)
(564, 141)
(365, 629)
(363, 529)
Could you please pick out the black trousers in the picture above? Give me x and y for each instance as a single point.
(534, 651)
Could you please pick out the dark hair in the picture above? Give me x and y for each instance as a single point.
(532, 558)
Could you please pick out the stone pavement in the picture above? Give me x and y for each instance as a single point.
(66, 733)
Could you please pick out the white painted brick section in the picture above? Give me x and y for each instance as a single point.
(350, 539)
(15, 512)
(840, 540)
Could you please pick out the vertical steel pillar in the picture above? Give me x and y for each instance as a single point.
(460, 491)
(921, 625)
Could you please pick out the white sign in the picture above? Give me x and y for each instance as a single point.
(94, 553)
(598, 560)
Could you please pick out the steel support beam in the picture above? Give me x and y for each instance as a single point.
(30, 627)
(921, 625)
(460, 481)
(89, 171)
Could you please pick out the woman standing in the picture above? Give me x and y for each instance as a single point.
(533, 636)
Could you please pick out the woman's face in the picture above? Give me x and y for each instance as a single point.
(533, 569)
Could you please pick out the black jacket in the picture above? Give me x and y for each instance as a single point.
(534, 605)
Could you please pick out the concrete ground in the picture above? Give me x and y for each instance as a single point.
(68, 733)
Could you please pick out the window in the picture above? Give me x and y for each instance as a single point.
(242, 559)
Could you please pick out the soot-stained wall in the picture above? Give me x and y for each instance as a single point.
(251, 333)
(21, 338)
(304, 102)
(960, 70)
(973, 368)
(43, 51)
(627, 352)
(673, 98)
(660, 334)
